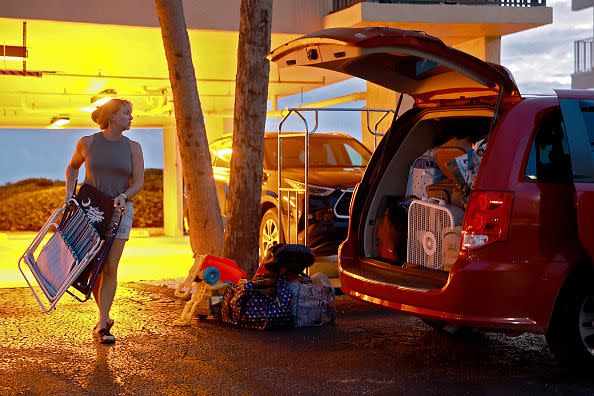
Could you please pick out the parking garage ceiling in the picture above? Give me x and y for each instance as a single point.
(77, 61)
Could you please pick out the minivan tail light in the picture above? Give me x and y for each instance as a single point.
(487, 219)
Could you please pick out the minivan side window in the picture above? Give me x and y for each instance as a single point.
(587, 107)
(578, 115)
(549, 160)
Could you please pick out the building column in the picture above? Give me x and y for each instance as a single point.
(227, 125)
(173, 203)
(493, 49)
(380, 98)
(215, 126)
(377, 97)
(484, 48)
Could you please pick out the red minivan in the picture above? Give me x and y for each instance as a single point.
(524, 260)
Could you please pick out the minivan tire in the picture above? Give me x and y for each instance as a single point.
(570, 335)
(268, 224)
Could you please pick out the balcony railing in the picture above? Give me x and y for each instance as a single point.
(582, 54)
(340, 4)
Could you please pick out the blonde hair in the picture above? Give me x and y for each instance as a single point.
(103, 113)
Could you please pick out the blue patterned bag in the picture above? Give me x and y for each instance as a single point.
(423, 173)
(247, 307)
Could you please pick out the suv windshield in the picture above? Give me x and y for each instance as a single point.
(324, 152)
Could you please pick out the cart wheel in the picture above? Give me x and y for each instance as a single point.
(211, 275)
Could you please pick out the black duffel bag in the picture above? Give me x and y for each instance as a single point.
(292, 257)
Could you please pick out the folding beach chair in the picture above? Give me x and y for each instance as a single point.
(73, 257)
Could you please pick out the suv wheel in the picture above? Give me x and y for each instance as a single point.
(269, 232)
(571, 331)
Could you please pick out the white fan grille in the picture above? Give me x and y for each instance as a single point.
(426, 223)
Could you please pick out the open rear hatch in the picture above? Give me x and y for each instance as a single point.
(406, 61)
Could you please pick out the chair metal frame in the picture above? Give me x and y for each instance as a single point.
(75, 236)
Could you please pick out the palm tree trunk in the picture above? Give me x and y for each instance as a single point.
(251, 93)
(204, 215)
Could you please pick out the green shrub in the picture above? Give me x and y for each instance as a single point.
(148, 205)
(26, 205)
(28, 185)
(27, 210)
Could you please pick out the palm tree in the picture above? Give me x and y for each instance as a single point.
(251, 93)
(204, 215)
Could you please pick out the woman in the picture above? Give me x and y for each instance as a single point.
(114, 166)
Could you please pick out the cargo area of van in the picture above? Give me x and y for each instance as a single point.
(413, 224)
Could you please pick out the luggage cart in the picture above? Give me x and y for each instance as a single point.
(291, 192)
(73, 257)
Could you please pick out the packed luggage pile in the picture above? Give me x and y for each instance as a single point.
(280, 295)
(439, 184)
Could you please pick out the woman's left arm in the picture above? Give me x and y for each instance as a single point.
(137, 170)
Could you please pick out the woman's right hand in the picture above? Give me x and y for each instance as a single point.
(120, 201)
(67, 196)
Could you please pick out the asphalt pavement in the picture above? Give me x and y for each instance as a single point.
(368, 350)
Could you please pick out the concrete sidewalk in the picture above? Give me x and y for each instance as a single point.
(148, 255)
(367, 351)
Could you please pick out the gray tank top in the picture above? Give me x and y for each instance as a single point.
(109, 165)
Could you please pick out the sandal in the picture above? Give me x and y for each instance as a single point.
(109, 325)
(103, 336)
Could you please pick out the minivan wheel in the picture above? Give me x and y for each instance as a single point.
(571, 331)
(269, 232)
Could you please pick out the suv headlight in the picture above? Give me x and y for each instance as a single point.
(313, 189)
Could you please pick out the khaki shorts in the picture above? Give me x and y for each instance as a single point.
(126, 222)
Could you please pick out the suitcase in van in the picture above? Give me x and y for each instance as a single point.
(428, 222)
(450, 192)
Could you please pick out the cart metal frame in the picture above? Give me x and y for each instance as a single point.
(289, 191)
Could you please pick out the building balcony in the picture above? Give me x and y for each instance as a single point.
(583, 76)
(454, 21)
(342, 4)
(582, 50)
(577, 5)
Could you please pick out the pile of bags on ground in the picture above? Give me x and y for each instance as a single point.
(280, 295)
